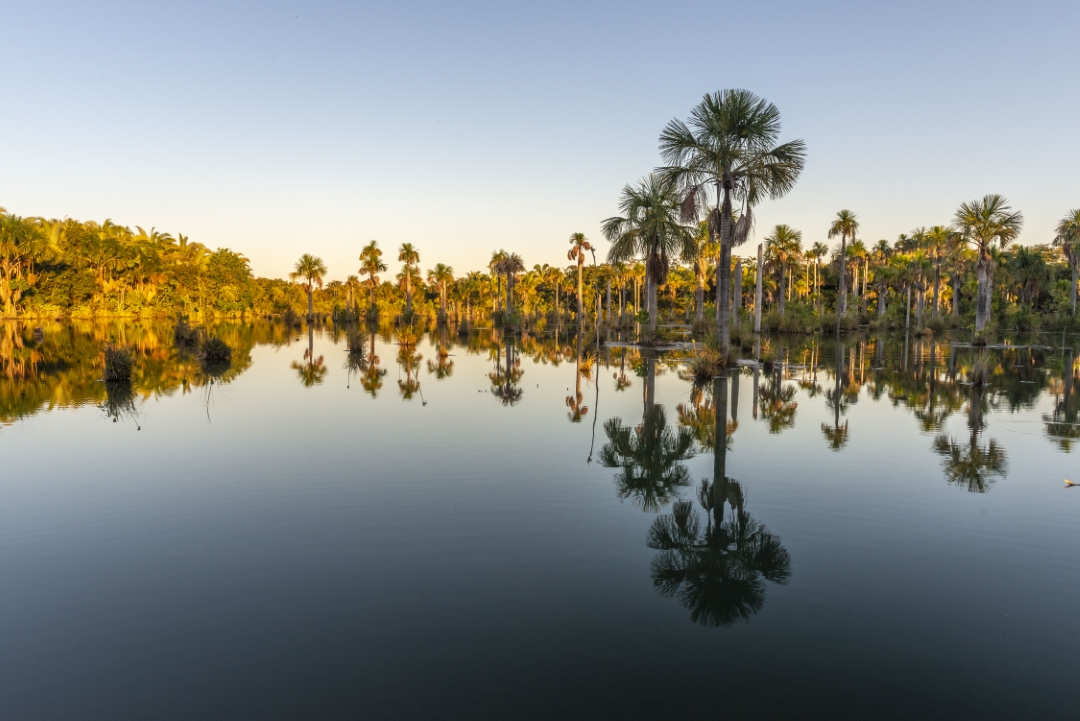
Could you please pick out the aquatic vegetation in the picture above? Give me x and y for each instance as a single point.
(118, 363)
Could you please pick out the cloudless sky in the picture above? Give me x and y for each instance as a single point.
(278, 128)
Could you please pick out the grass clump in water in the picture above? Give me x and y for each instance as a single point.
(213, 350)
(118, 363)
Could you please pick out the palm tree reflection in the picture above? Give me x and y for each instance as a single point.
(718, 571)
(505, 379)
(972, 466)
(649, 458)
(837, 400)
(312, 371)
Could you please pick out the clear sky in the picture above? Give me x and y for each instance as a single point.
(278, 128)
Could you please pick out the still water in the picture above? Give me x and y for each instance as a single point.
(477, 527)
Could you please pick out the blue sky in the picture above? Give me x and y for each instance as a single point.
(280, 128)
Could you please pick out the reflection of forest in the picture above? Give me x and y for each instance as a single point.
(61, 366)
(930, 377)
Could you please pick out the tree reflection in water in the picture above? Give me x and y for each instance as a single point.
(505, 379)
(717, 572)
(119, 402)
(972, 466)
(312, 371)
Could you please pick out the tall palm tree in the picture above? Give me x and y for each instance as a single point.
(1068, 239)
(497, 266)
(818, 251)
(727, 153)
(409, 256)
(352, 287)
(845, 226)
(938, 241)
(440, 276)
(984, 223)
(310, 270)
(785, 243)
(371, 264)
(512, 265)
(650, 228)
(579, 245)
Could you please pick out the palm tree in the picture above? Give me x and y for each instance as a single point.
(1068, 239)
(984, 223)
(409, 256)
(311, 270)
(728, 152)
(845, 225)
(649, 228)
(818, 251)
(370, 264)
(352, 287)
(579, 245)
(497, 266)
(1029, 269)
(938, 241)
(784, 243)
(440, 276)
(512, 265)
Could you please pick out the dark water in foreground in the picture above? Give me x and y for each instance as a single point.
(530, 530)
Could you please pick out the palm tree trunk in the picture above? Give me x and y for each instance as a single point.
(882, 290)
(580, 304)
(310, 304)
(783, 288)
(757, 294)
(937, 283)
(723, 312)
(985, 271)
(841, 300)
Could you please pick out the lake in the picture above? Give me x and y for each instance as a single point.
(535, 528)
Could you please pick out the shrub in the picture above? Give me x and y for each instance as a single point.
(118, 363)
(355, 344)
(213, 350)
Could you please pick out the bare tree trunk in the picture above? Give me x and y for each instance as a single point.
(699, 295)
(907, 316)
(650, 298)
(1072, 289)
(737, 295)
(956, 279)
(609, 313)
(757, 293)
(865, 276)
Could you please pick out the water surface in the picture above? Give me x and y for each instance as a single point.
(481, 527)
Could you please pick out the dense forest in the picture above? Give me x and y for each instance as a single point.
(52, 268)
